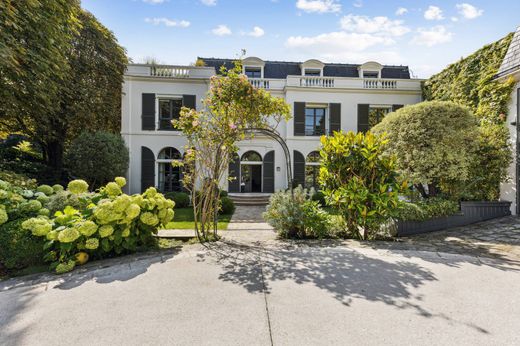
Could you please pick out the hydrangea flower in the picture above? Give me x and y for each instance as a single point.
(3, 216)
(121, 181)
(112, 189)
(170, 204)
(65, 267)
(150, 192)
(68, 235)
(133, 211)
(57, 188)
(126, 232)
(46, 189)
(168, 217)
(31, 206)
(121, 203)
(43, 199)
(105, 231)
(87, 228)
(52, 235)
(91, 243)
(3, 194)
(149, 219)
(44, 212)
(77, 186)
(38, 226)
(27, 193)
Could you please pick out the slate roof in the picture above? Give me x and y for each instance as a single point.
(282, 69)
(511, 62)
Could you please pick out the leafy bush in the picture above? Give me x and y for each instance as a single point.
(359, 180)
(18, 179)
(62, 199)
(97, 157)
(107, 222)
(181, 199)
(18, 249)
(319, 197)
(227, 206)
(223, 193)
(296, 216)
(426, 209)
(435, 144)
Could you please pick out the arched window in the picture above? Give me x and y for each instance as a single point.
(251, 156)
(169, 176)
(312, 170)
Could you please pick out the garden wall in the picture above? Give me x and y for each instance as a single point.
(470, 212)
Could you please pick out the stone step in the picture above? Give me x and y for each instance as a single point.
(250, 198)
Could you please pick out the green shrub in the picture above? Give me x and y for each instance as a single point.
(97, 157)
(18, 249)
(62, 199)
(426, 209)
(227, 207)
(435, 144)
(319, 197)
(296, 216)
(107, 223)
(181, 199)
(223, 193)
(359, 180)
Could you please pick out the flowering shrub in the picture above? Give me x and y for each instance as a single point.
(106, 222)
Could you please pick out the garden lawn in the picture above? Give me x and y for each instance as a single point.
(183, 219)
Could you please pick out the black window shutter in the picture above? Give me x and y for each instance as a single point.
(234, 171)
(299, 169)
(362, 118)
(189, 101)
(148, 112)
(299, 118)
(269, 172)
(147, 168)
(396, 107)
(334, 117)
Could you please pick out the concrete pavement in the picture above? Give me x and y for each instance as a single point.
(269, 292)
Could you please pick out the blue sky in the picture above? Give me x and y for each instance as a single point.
(425, 35)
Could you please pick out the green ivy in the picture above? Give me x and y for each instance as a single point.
(471, 82)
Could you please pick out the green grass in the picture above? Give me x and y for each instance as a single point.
(183, 219)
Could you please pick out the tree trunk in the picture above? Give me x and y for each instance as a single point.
(421, 190)
(54, 151)
(432, 190)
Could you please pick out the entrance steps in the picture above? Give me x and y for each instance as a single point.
(250, 198)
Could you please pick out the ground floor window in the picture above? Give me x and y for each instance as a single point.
(169, 176)
(376, 114)
(312, 170)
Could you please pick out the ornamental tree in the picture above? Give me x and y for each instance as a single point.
(359, 180)
(435, 144)
(231, 106)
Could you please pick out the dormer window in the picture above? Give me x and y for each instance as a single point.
(312, 72)
(253, 72)
(370, 74)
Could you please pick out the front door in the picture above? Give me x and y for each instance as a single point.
(250, 178)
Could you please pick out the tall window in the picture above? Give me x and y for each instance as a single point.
(312, 170)
(376, 114)
(169, 176)
(169, 109)
(253, 72)
(314, 121)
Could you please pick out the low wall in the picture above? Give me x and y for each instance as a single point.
(470, 212)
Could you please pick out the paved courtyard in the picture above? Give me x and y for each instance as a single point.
(251, 289)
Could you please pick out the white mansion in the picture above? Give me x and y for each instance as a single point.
(324, 98)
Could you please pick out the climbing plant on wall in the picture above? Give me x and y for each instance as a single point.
(470, 82)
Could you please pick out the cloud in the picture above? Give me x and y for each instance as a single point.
(400, 11)
(209, 2)
(154, 2)
(257, 32)
(375, 25)
(432, 36)
(433, 13)
(221, 30)
(358, 3)
(469, 11)
(168, 22)
(319, 6)
(336, 42)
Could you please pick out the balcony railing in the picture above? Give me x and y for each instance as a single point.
(318, 82)
(170, 71)
(354, 83)
(271, 84)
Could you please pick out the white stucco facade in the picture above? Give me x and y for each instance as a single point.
(314, 90)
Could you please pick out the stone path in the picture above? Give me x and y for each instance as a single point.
(247, 225)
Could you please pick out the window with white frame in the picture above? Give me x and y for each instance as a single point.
(370, 74)
(315, 121)
(312, 170)
(253, 72)
(376, 113)
(312, 72)
(169, 109)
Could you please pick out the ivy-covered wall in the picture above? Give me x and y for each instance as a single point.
(470, 82)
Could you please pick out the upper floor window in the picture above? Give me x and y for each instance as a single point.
(312, 72)
(376, 114)
(253, 72)
(370, 74)
(314, 121)
(169, 109)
